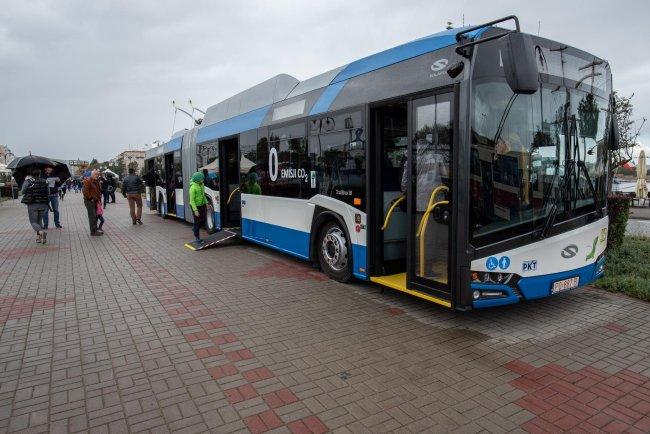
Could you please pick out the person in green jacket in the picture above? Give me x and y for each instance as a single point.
(252, 186)
(197, 203)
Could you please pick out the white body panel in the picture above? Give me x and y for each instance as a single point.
(590, 241)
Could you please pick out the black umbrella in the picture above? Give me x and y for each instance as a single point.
(21, 166)
(61, 169)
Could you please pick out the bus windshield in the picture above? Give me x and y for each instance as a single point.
(521, 147)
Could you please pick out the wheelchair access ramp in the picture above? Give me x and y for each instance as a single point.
(214, 239)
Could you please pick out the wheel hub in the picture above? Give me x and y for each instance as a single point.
(335, 249)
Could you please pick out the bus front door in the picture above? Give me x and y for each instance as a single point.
(429, 193)
(230, 194)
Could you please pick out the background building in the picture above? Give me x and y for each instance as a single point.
(5, 154)
(127, 159)
(77, 167)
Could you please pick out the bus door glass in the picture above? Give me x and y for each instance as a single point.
(430, 171)
(230, 194)
(169, 183)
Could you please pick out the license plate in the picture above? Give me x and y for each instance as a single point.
(565, 285)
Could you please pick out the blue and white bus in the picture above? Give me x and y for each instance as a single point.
(467, 168)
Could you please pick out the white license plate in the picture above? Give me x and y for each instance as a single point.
(564, 285)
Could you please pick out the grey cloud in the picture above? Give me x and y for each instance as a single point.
(84, 79)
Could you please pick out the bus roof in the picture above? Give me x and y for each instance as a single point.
(284, 86)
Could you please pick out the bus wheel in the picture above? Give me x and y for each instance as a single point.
(209, 218)
(334, 252)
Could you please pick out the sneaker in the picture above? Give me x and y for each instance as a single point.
(135, 221)
(138, 221)
(59, 227)
(101, 232)
(44, 238)
(96, 234)
(199, 241)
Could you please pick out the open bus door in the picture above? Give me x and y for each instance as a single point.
(230, 191)
(170, 191)
(411, 184)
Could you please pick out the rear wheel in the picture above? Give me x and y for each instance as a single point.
(334, 252)
(209, 218)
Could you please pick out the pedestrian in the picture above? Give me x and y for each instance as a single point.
(112, 185)
(35, 196)
(104, 183)
(63, 190)
(198, 203)
(92, 193)
(54, 183)
(132, 191)
(99, 209)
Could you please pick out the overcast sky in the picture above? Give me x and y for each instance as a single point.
(83, 79)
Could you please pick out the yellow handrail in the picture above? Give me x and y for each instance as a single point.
(390, 211)
(423, 223)
(429, 206)
(231, 195)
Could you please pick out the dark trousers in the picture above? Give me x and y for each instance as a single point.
(105, 196)
(54, 203)
(92, 215)
(198, 221)
(112, 195)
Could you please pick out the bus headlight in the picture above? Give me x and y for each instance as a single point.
(488, 277)
(476, 294)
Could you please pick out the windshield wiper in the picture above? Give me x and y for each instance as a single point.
(581, 165)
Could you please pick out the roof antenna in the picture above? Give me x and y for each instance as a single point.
(196, 121)
(539, 25)
(463, 20)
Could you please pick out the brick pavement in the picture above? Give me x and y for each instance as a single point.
(131, 332)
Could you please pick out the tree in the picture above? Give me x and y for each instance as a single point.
(629, 130)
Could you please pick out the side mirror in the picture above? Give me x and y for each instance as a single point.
(614, 135)
(519, 64)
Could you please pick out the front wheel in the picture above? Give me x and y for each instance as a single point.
(209, 218)
(334, 252)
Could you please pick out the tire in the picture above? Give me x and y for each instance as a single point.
(209, 218)
(334, 252)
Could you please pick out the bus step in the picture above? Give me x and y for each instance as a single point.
(398, 282)
(214, 239)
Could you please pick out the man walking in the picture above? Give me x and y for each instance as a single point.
(132, 191)
(92, 193)
(54, 183)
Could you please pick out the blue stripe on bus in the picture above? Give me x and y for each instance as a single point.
(537, 286)
(180, 211)
(401, 53)
(294, 242)
(173, 145)
(244, 122)
(359, 265)
(326, 98)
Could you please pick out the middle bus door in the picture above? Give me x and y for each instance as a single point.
(230, 187)
(429, 192)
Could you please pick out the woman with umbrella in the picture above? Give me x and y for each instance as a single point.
(35, 196)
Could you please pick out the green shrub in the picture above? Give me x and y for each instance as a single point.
(627, 270)
(618, 209)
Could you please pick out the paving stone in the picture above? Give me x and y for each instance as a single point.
(132, 332)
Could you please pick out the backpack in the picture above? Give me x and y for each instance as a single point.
(28, 196)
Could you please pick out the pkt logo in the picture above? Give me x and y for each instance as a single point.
(569, 251)
(529, 265)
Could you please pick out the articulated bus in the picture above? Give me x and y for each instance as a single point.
(467, 168)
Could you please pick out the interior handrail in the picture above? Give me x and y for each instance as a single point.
(231, 195)
(390, 211)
